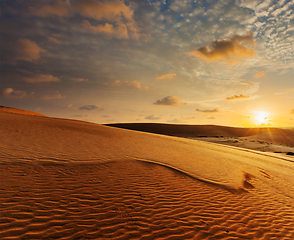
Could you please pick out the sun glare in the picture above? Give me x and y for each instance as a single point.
(261, 117)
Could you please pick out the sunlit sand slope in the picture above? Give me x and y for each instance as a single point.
(271, 135)
(19, 111)
(36, 138)
(69, 179)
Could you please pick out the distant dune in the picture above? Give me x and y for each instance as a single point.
(66, 179)
(276, 136)
(186, 130)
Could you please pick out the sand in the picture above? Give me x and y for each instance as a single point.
(66, 179)
(19, 111)
(273, 140)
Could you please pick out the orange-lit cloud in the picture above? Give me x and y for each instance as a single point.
(57, 95)
(170, 101)
(27, 50)
(230, 50)
(119, 16)
(13, 94)
(170, 75)
(134, 84)
(115, 83)
(55, 40)
(111, 11)
(58, 8)
(39, 78)
(79, 79)
(292, 111)
(260, 74)
(120, 30)
(207, 110)
(103, 10)
(237, 97)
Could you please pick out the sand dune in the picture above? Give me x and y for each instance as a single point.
(19, 111)
(262, 139)
(66, 179)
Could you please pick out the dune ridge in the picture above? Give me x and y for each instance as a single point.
(20, 111)
(66, 140)
(66, 179)
(274, 135)
(275, 140)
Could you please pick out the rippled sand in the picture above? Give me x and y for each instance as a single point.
(65, 179)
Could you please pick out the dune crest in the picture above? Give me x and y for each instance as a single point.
(67, 179)
(61, 140)
(19, 111)
(270, 135)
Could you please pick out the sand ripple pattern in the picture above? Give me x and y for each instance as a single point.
(134, 200)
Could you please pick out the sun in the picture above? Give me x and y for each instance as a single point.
(261, 117)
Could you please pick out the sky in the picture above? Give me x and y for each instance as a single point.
(220, 62)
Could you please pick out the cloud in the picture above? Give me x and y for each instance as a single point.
(170, 75)
(27, 50)
(182, 119)
(79, 79)
(260, 74)
(223, 88)
(211, 118)
(108, 10)
(230, 50)
(170, 101)
(176, 120)
(58, 8)
(237, 97)
(115, 83)
(52, 39)
(292, 111)
(39, 78)
(90, 107)
(120, 30)
(134, 84)
(208, 110)
(152, 117)
(13, 94)
(118, 16)
(57, 95)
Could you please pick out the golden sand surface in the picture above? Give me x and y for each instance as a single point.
(134, 200)
(19, 111)
(65, 179)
